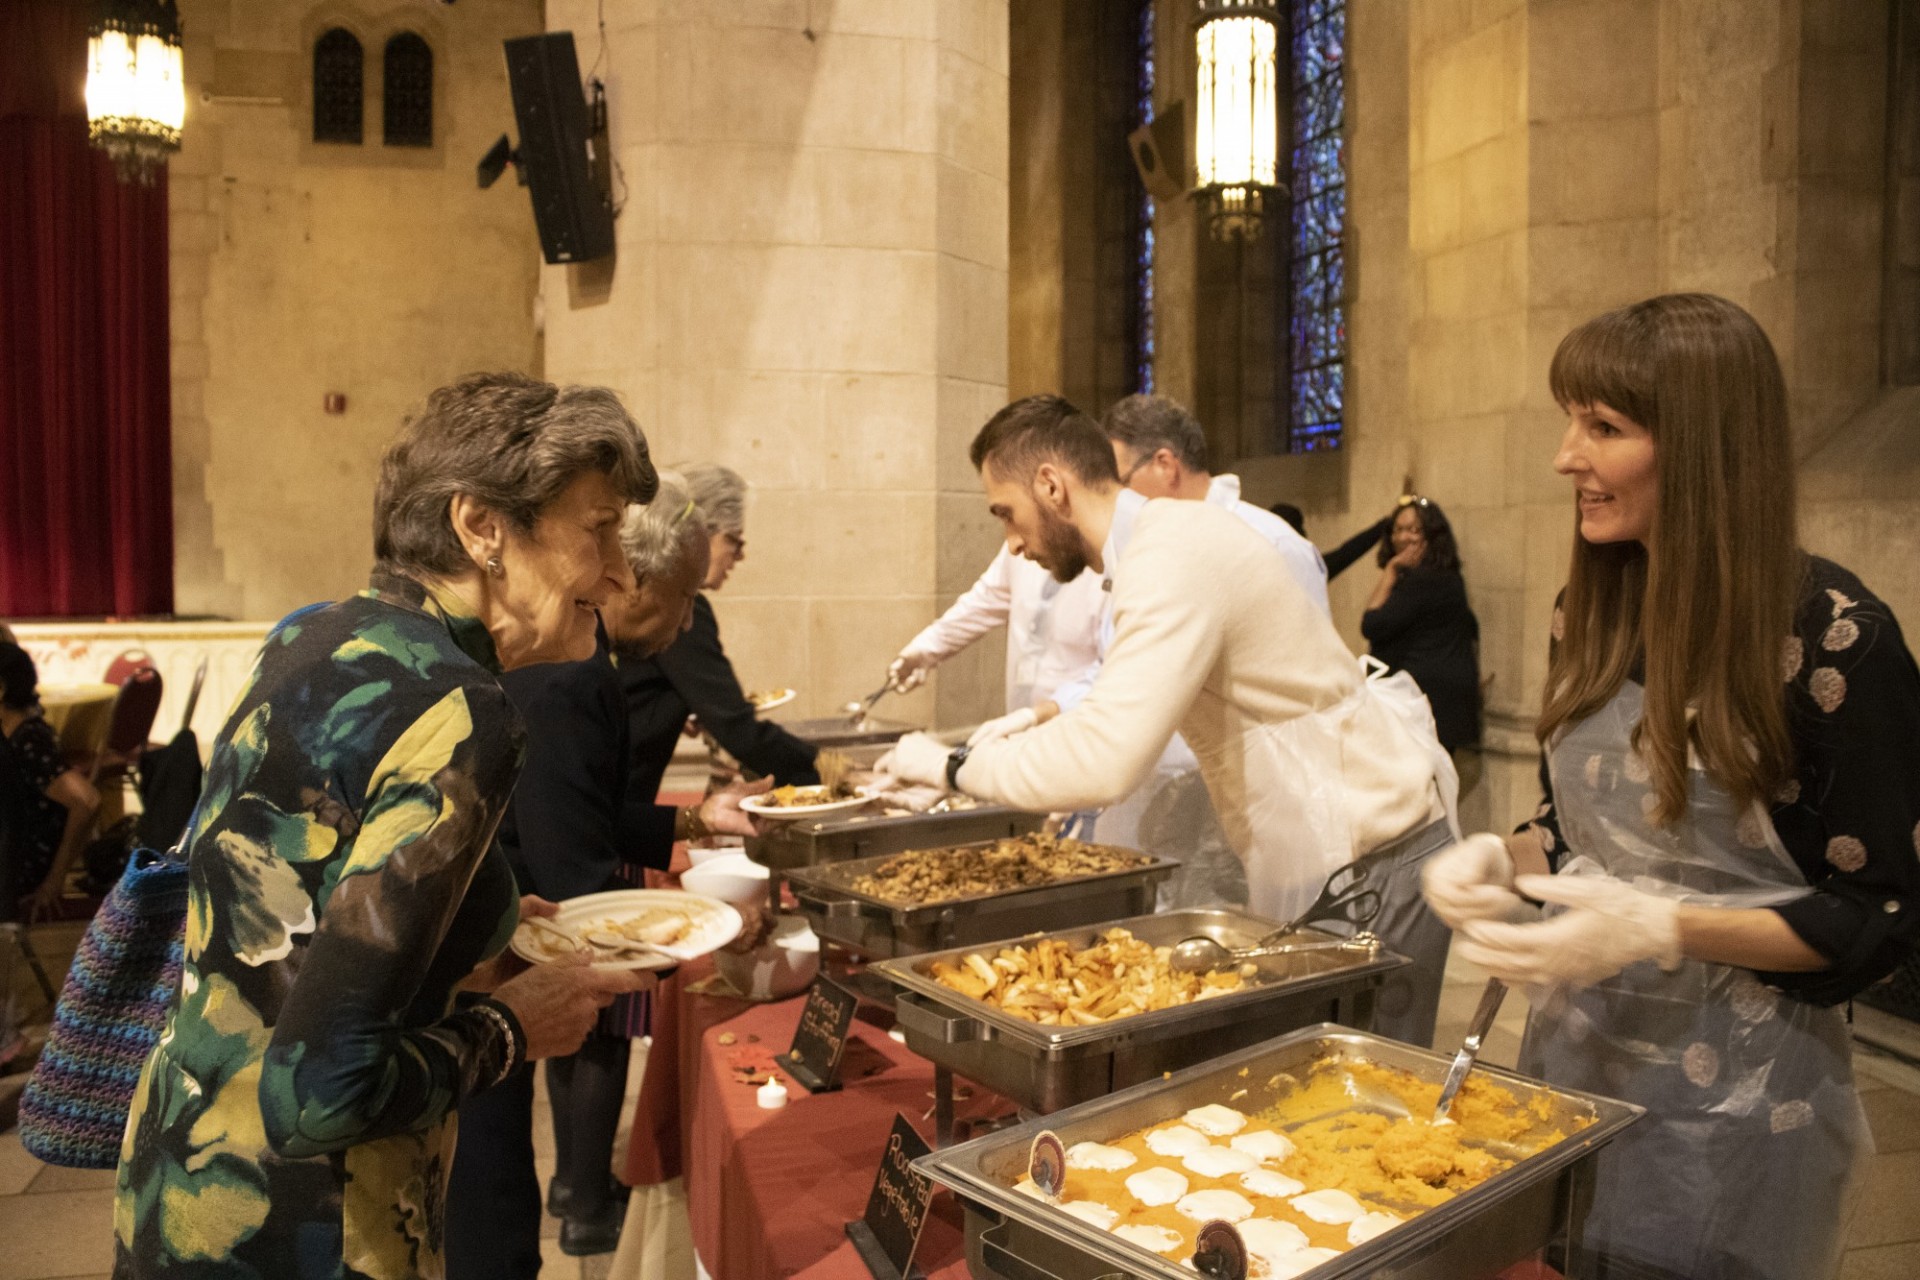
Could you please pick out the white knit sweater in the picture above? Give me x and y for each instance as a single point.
(1214, 638)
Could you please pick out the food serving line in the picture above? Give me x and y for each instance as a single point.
(784, 1182)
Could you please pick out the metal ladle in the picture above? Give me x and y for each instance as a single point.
(1200, 954)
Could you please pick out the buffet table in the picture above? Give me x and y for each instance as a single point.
(768, 1192)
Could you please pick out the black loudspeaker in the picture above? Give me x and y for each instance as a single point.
(1160, 152)
(556, 138)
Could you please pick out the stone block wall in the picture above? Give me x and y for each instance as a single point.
(810, 286)
(300, 269)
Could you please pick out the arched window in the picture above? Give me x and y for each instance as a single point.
(407, 92)
(337, 87)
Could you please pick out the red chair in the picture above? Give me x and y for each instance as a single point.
(126, 664)
(134, 709)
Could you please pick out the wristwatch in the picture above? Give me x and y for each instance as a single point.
(954, 761)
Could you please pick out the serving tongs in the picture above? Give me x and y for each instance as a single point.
(1345, 897)
(1201, 954)
(858, 711)
(1470, 1047)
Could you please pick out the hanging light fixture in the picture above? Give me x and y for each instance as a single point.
(1237, 135)
(136, 89)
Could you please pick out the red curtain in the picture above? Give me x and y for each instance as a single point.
(86, 486)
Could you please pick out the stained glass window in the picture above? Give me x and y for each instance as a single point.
(1317, 321)
(1143, 242)
(337, 87)
(406, 92)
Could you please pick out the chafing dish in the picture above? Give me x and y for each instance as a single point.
(873, 831)
(1046, 1068)
(840, 731)
(878, 928)
(1516, 1212)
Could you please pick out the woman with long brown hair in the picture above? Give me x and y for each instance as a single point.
(1732, 739)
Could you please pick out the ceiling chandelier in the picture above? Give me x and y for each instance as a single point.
(136, 90)
(1237, 129)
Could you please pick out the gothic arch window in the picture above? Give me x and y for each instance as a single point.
(407, 92)
(337, 96)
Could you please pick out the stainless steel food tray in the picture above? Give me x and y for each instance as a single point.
(1476, 1234)
(1047, 1068)
(880, 929)
(839, 731)
(871, 832)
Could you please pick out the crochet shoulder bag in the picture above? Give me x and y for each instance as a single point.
(112, 1009)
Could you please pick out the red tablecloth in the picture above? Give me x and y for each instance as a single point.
(770, 1192)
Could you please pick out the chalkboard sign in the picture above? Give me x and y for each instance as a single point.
(821, 1037)
(885, 1236)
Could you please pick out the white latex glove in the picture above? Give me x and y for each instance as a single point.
(919, 758)
(1472, 880)
(1610, 925)
(909, 671)
(1005, 726)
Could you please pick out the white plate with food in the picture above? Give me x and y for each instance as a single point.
(788, 803)
(768, 699)
(630, 929)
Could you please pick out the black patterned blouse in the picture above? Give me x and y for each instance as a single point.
(1850, 815)
(296, 1118)
(31, 756)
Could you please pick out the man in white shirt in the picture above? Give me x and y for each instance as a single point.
(1162, 453)
(1052, 629)
(1213, 637)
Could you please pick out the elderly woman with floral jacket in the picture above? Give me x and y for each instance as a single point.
(347, 899)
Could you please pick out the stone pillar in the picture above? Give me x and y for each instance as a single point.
(810, 286)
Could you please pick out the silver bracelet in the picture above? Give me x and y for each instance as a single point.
(505, 1025)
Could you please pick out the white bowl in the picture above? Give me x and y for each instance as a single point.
(732, 878)
(697, 854)
(784, 965)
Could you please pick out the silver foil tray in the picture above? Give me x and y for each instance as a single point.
(879, 929)
(1506, 1218)
(1046, 1068)
(874, 832)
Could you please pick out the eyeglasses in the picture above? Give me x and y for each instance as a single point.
(1138, 463)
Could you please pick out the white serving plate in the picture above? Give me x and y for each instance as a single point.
(760, 807)
(774, 698)
(715, 925)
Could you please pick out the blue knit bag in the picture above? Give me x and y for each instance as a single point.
(112, 1009)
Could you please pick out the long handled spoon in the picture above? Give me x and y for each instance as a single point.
(1470, 1047)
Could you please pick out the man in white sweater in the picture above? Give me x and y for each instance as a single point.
(1213, 638)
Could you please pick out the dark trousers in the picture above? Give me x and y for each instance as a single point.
(493, 1197)
(586, 1090)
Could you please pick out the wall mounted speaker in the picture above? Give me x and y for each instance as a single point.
(573, 213)
(1160, 152)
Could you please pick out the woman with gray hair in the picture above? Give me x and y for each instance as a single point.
(346, 984)
(694, 677)
(579, 825)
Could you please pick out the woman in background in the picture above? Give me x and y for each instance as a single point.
(1418, 620)
(694, 677)
(46, 809)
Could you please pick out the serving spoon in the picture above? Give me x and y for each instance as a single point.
(1201, 954)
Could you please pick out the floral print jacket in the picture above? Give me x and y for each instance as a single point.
(297, 1116)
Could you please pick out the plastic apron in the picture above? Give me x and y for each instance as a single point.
(1754, 1136)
